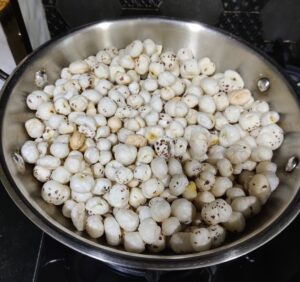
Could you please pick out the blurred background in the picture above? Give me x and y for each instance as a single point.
(271, 25)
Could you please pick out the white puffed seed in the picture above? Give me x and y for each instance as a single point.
(207, 67)
(170, 226)
(142, 172)
(206, 120)
(61, 175)
(112, 231)
(102, 185)
(150, 47)
(152, 188)
(55, 193)
(190, 192)
(221, 101)
(261, 153)
(42, 174)
(73, 162)
(184, 210)
(169, 60)
(59, 150)
(180, 242)
(29, 152)
(210, 86)
(159, 167)
(158, 246)
(133, 242)
(266, 166)
(220, 121)
(221, 185)
(232, 113)
(103, 57)
(192, 168)
(34, 127)
(81, 183)
(239, 97)
(78, 216)
(45, 111)
(184, 54)
(178, 184)
(174, 167)
(79, 67)
(205, 181)
(123, 134)
(49, 162)
(96, 205)
(91, 155)
(189, 68)
(127, 62)
(238, 153)
(160, 209)
(55, 121)
(107, 107)
(67, 208)
(269, 118)
(111, 168)
(144, 212)
(216, 212)
(201, 239)
(166, 79)
(127, 219)
(125, 154)
(78, 103)
(270, 136)
(35, 99)
(145, 154)
(136, 197)
(234, 192)
(217, 234)
(149, 231)
(123, 175)
(249, 121)
(259, 187)
(118, 196)
(142, 64)
(207, 104)
(247, 205)
(224, 167)
(202, 198)
(94, 226)
(229, 134)
(272, 178)
(235, 223)
(62, 106)
(135, 48)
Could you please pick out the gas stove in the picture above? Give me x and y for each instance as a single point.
(27, 254)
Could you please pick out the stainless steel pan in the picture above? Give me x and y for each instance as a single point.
(228, 53)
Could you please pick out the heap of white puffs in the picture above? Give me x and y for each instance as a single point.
(152, 149)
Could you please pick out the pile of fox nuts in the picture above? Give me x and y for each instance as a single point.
(152, 149)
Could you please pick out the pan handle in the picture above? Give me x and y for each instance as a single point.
(3, 75)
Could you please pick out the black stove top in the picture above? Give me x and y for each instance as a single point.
(27, 254)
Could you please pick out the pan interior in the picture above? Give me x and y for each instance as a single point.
(225, 51)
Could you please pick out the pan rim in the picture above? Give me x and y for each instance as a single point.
(113, 255)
